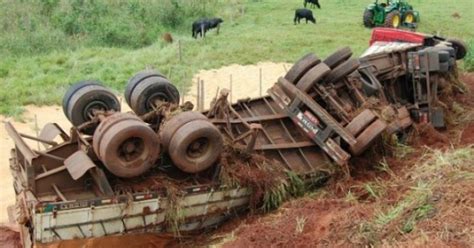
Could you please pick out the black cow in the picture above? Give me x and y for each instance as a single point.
(201, 26)
(304, 13)
(312, 3)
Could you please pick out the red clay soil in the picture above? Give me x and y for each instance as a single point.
(427, 135)
(466, 99)
(132, 241)
(467, 136)
(9, 237)
(295, 224)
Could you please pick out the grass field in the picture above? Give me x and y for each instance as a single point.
(253, 31)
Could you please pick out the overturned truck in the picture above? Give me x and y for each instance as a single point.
(115, 173)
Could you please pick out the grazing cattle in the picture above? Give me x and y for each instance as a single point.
(201, 26)
(312, 3)
(304, 13)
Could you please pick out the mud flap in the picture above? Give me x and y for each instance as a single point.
(50, 131)
(78, 164)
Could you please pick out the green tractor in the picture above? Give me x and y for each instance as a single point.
(393, 14)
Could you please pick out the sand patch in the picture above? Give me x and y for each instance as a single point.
(245, 80)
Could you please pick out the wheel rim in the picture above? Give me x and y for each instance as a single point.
(396, 21)
(89, 110)
(409, 18)
(130, 150)
(198, 148)
(154, 100)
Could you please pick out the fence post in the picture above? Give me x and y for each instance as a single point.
(230, 86)
(37, 131)
(180, 51)
(198, 93)
(203, 96)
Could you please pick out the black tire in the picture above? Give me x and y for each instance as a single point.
(196, 146)
(368, 18)
(87, 99)
(136, 79)
(313, 76)
(460, 47)
(390, 19)
(338, 57)
(301, 66)
(177, 121)
(150, 89)
(342, 70)
(75, 87)
(368, 136)
(360, 122)
(369, 85)
(126, 145)
(409, 17)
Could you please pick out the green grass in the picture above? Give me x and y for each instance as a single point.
(253, 31)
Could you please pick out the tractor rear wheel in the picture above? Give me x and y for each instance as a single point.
(409, 17)
(368, 18)
(393, 19)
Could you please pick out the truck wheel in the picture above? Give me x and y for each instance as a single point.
(312, 77)
(301, 67)
(360, 122)
(75, 87)
(393, 19)
(126, 145)
(84, 101)
(177, 121)
(136, 79)
(368, 18)
(195, 146)
(460, 47)
(369, 84)
(342, 70)
(150, 90)
(338, 57)
(369, 135)
(409, 17)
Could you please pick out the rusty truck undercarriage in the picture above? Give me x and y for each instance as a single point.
(110, 174)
